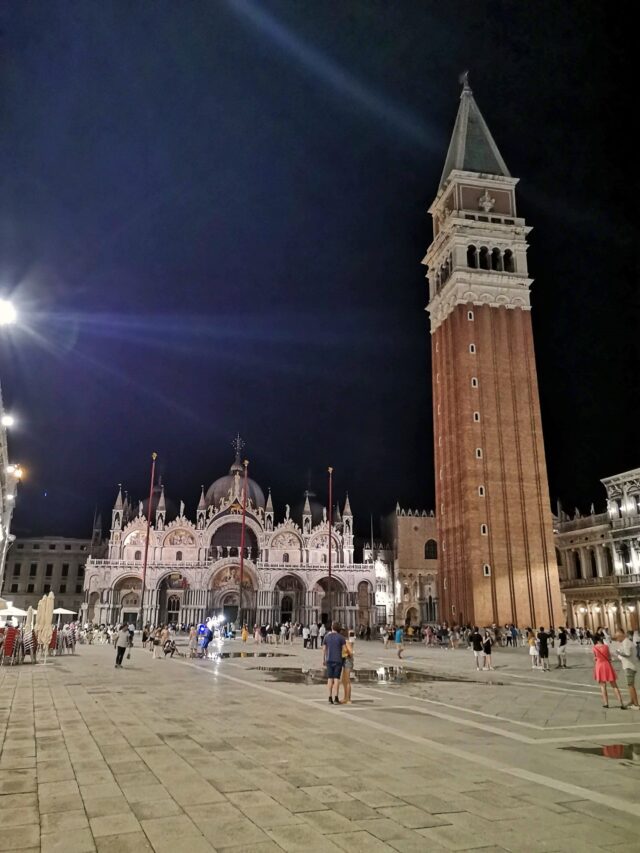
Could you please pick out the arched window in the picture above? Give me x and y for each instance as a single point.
(609, 560)
(484, 529)
(496, 260)
(431, 550)
(137, 555)
(178, 556)
(285, 558)
(509, 264)
(577, 565)
(484, 258)
(472, 257)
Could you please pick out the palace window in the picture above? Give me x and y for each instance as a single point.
(63, 587)
(484, 258)
(29, 587)
(178, 556)
(14, 587)
(472, 257)
(431, 550)
(16, 568)
(65, 570)
(496, 260)
(285, 558)
(49, 570)
(137, 555)
(46, 588)
(33, 568)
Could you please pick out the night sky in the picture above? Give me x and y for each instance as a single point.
(212, 217)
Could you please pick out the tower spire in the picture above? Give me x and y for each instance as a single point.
(472, 147)
(202, 504)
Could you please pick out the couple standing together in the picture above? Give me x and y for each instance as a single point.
(338, 659)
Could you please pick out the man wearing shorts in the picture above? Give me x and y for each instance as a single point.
(476, 645)
(543, 649)
(332, 659)
(625, 651)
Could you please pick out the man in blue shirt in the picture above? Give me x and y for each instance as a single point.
(332, 659)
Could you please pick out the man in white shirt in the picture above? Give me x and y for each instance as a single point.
(626, 653)
(314, 635)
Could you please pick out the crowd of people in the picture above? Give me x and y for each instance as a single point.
(338, 646)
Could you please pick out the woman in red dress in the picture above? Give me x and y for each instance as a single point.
(603, 671)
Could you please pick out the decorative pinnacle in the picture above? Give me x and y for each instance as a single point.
(464, 80)
(246, 463)
(238, 445)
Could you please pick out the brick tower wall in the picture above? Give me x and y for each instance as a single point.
(523, 583)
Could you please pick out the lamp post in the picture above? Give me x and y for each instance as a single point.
(154, 456)
(242, 540)
(9, 474)
(330, 549)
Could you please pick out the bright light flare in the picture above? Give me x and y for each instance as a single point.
(8, 420)
(8, 313)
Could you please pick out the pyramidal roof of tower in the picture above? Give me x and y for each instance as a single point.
(472, 148)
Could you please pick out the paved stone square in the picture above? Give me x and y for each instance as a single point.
(245, 753)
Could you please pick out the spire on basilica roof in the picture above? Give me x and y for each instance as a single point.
(337, 518)
(472, 147)
(306, 509)
(269, 504)
(119, 504)
(202, 504)
(162, 504)
(347, 507)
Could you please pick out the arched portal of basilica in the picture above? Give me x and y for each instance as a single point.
(194, 565)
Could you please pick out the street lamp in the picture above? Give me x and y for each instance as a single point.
(8, 420)
(8, 313)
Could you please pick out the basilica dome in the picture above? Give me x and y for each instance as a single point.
(220, 489)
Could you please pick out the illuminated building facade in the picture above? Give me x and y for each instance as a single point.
(599, 558)
(193, 566)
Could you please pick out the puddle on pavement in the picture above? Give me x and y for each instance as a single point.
(619, 751)
(382, 675)
(225, 655)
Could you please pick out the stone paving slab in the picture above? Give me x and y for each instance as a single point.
(95, 759)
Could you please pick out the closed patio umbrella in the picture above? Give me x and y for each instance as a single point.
(44, 636)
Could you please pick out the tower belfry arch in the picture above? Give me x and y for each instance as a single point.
(497, 562)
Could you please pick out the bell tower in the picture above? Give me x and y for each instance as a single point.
(497, 562)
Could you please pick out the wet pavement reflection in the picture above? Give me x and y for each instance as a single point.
(381, 675)
(618, 751)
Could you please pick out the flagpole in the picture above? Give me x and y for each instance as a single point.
(242, 539)
(154, 456)
(330, 548)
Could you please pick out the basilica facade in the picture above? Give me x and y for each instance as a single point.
(193, 565)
